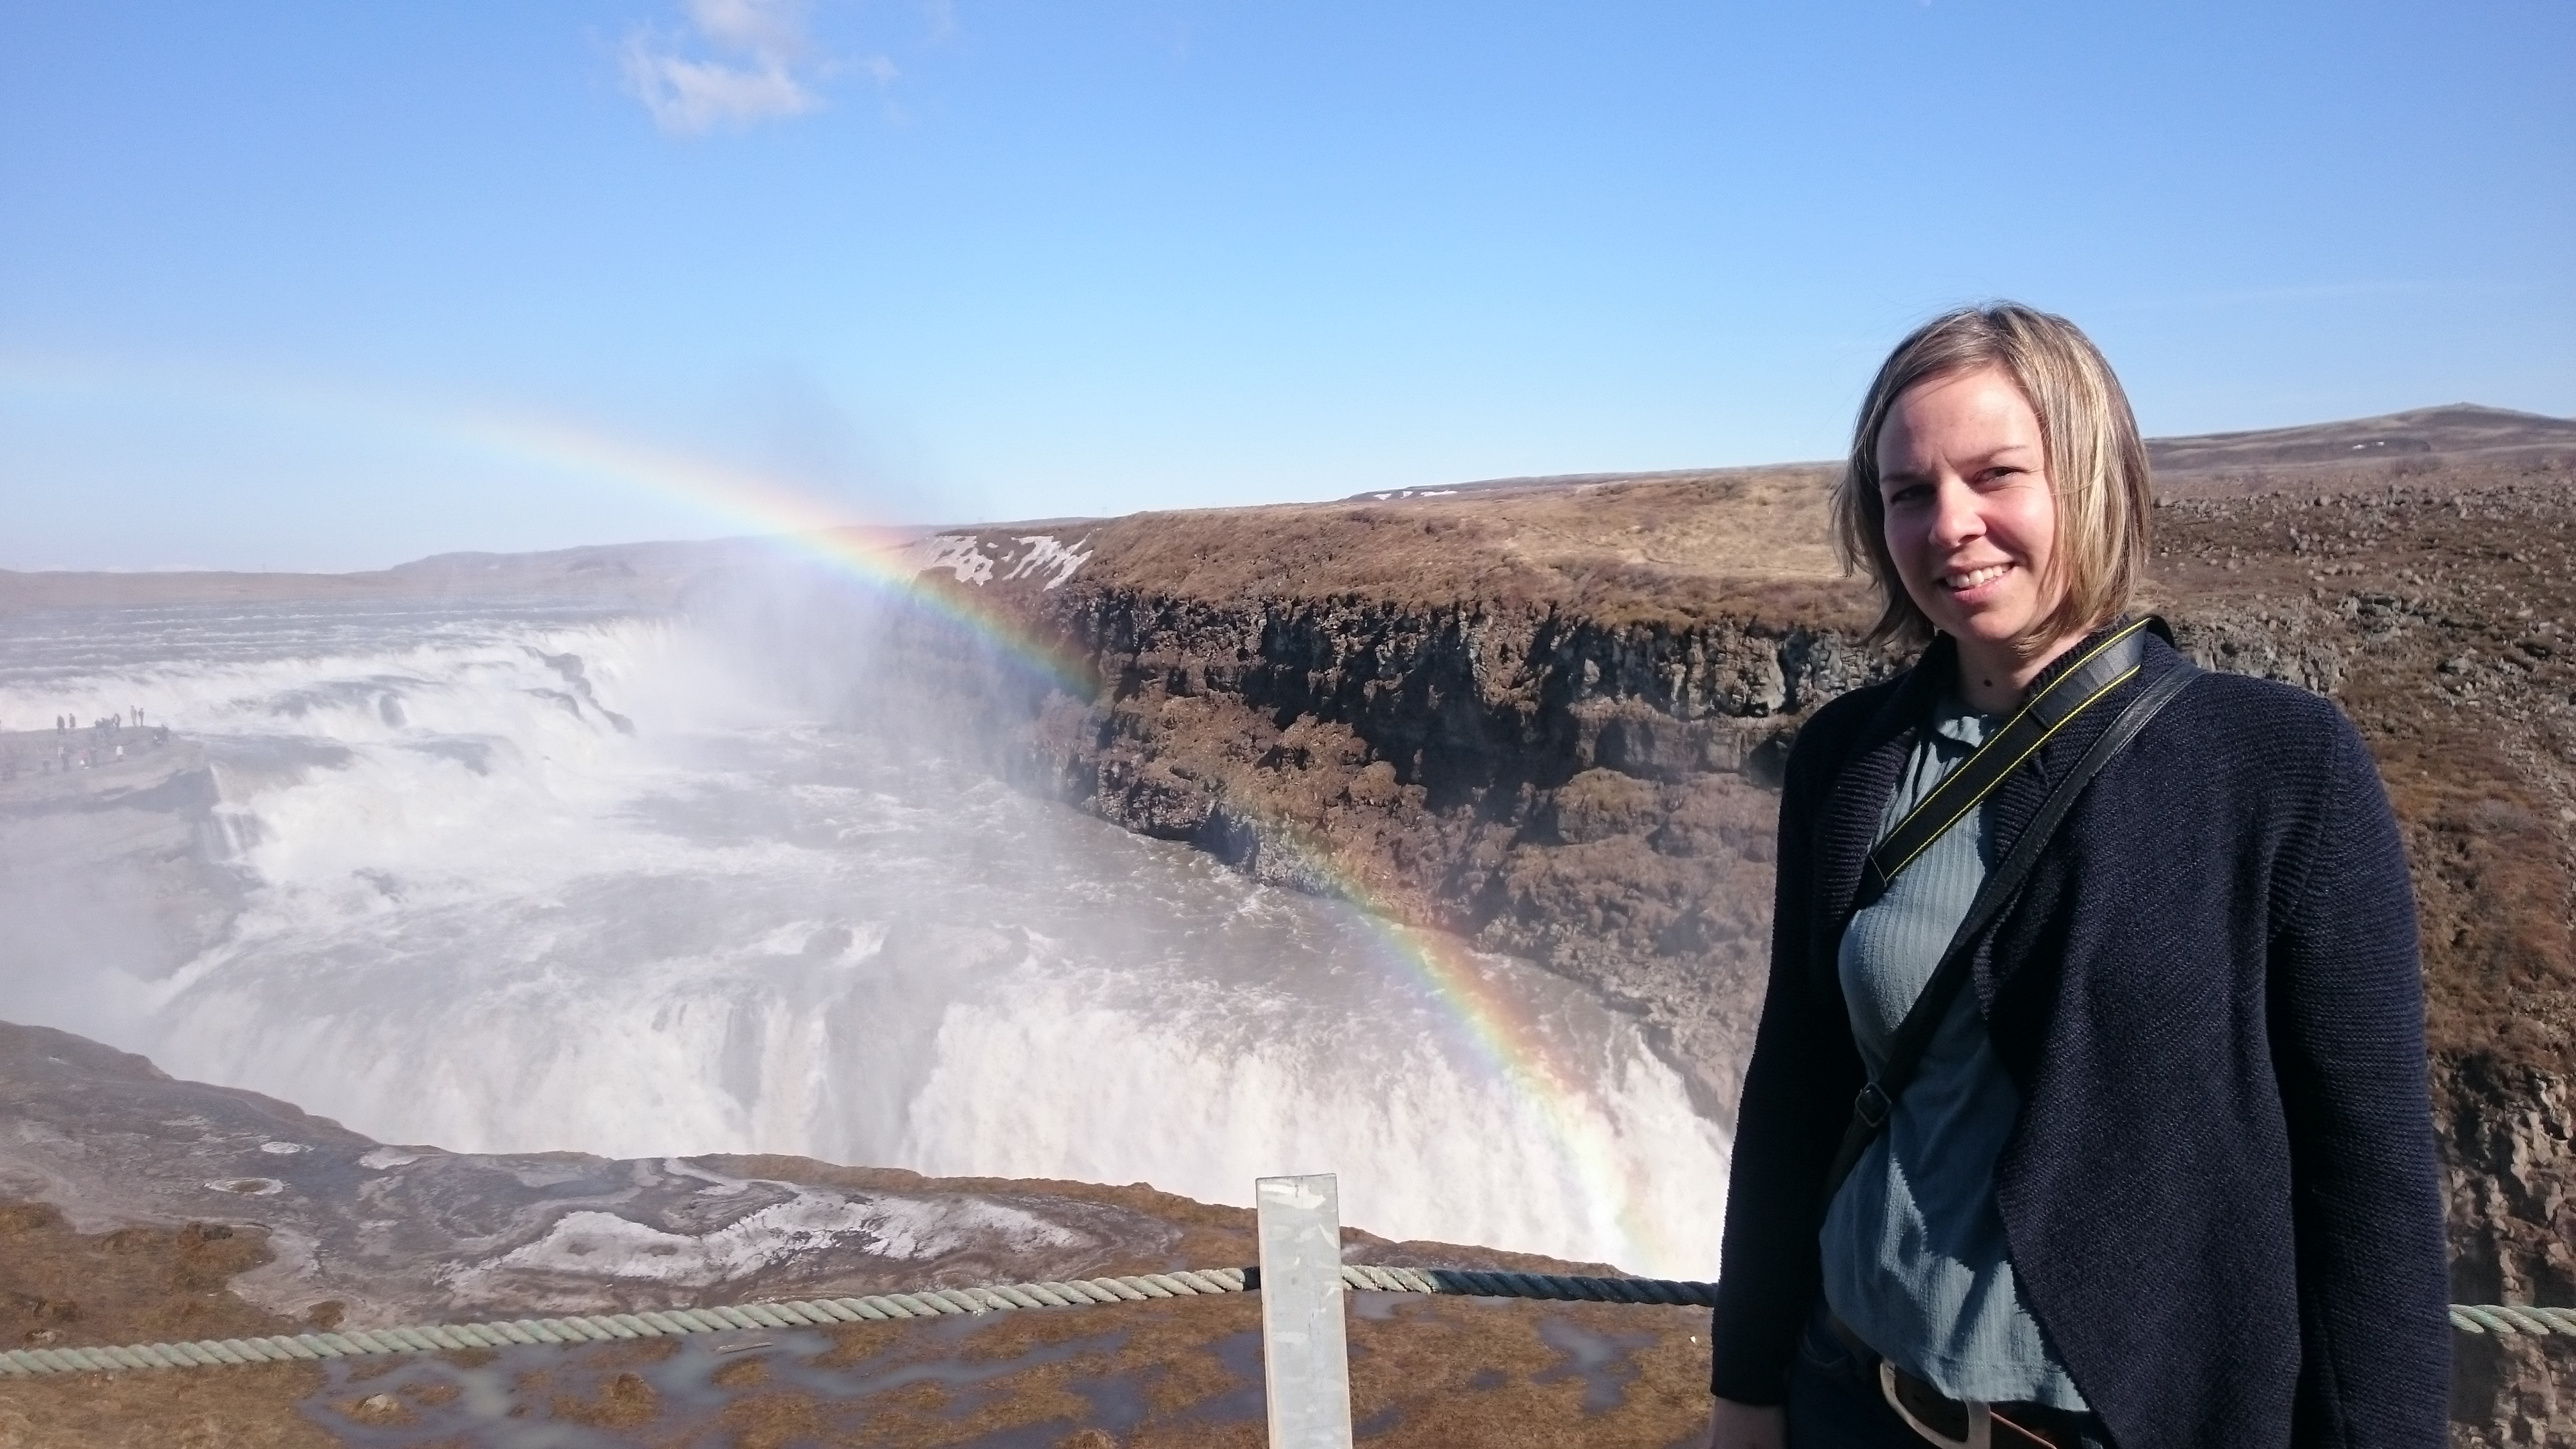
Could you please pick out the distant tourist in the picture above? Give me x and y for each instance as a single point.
(2139, 1152)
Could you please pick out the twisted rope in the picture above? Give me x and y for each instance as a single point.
(2508, 1320)
(1475, 1283)
(876, 1308)
(2485, 1318)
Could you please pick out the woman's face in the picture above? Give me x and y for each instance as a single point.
(1971, 519)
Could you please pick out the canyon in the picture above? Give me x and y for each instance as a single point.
(1546, 717)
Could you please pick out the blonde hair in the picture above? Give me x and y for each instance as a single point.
(2097, 465)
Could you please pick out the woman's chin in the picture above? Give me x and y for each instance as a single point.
(1987, 628)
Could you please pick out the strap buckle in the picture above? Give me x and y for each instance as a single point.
(1872, 1106)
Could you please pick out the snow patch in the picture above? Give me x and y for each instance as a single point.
(959, 554)
(1042, 555)
(599, 1244)
(964, 557)
(248, 1186)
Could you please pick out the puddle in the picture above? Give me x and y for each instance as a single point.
(601, 1396)
(1181, 1373)
(1604, 1361)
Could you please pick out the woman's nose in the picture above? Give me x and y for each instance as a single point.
(1955, 516)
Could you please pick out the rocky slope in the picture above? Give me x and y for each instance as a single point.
(136, 1208)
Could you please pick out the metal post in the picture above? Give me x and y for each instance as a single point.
(1305, 1358)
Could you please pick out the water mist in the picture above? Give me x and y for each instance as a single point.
(718, 880)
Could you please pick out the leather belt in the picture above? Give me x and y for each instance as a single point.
(1964, 1423)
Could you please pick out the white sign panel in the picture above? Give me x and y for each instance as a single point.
(1305, 1357)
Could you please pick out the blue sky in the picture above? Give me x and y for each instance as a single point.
(273, 277)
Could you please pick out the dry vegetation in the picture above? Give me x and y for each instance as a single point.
(1426, 1374)
(1671, 549)
(138, 1285)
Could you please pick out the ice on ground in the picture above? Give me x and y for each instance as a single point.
(959, 554)
(601, 1244)
(1043, 555)
(963, 556)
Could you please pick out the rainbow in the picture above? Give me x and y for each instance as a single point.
(1502, 1033)
(1498, 1031)
(732, 496)
(873, 554)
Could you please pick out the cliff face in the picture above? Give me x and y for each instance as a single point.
(119, 862)
(1568, 749)
(1591, 795)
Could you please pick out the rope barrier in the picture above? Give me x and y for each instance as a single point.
(2479, 1318)
(925, 1303)
(2507, 1320)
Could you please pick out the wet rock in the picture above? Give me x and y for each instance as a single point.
(369, 1236)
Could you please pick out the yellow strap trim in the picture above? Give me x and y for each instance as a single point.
(1926, 803)
(2051, 732)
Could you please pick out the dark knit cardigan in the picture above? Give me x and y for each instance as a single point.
(2221, 1199)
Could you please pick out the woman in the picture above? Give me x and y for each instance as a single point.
(2161, 1171)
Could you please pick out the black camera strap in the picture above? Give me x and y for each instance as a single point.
(2102, 669)
(1914, 1034)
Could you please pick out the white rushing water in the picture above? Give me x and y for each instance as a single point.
(514, 881)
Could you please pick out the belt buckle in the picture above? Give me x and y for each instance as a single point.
(1976, 1423)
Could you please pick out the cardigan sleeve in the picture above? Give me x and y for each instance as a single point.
(2347, 1010)
(1787, 1127)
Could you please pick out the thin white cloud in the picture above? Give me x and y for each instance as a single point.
(688, 96)
(771, 29)
(740, 62)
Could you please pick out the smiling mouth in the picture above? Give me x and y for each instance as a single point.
(1960, 583)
